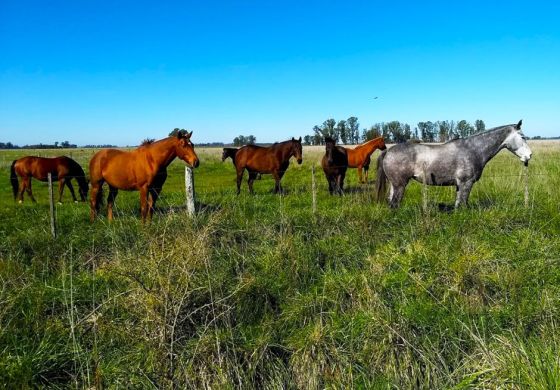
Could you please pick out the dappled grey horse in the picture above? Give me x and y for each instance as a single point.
(456, 163)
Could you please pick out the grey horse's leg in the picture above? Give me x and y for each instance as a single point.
(463, 192)
(397, 193)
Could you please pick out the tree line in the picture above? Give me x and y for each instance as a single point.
(347, 131)
(56, 145)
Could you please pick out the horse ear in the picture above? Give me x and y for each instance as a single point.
(179, 134)
(299, 140)
(518, 127)
(188, 135)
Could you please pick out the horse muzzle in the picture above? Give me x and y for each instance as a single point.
(196, 163)
(299, 161)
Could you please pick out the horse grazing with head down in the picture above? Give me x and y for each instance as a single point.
(229, 153)
(456, 163)
(273, 159)
(359, 157)
(138, 170)
(62, 169)
(335, 163)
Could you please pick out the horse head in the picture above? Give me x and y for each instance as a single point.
(516, 143)
(382, 145)
(185, 149)
(224, 155)
(329, 148)
(297, 150)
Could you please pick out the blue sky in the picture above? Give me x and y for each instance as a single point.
(117, 72)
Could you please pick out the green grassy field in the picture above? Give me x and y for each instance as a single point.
(258, 291)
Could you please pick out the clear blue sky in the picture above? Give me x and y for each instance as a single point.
(119, 71)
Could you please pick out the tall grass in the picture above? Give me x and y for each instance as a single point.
(258, 291)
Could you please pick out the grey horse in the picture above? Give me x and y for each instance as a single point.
(456, 163)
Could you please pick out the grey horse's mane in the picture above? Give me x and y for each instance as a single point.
(491, 131)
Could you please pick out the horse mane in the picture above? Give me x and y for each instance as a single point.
(147, 141)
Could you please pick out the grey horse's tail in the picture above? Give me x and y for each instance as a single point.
(14, 179)
(381, 181)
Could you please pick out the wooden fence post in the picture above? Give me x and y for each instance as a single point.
(313, 190)
(189, 190)
(51, 204)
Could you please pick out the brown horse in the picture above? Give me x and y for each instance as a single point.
(360, 156)
(335, 163)
(229, 153)
(140, 169)
(62, 169)
(273, 159)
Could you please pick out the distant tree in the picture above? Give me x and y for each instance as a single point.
(427, 131)
(329, 129)
(307, 140)
(342, 131)
(464, 128)
(479, 125)
(174, 132)
(250, 140)
(446, 130)
(371, 133)
(317, 135)
(353, 128)
(65, 144)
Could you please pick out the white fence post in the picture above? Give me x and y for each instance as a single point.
(189, 190)
(526, 180)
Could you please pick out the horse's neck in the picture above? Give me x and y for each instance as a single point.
(163, 152)
(369, 146)
(489, 144)
(286, 149)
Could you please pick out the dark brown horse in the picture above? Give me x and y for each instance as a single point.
(229, 153)
(360, 156)
(139, 170)
(62, 169)
(273, 159)
(335, 164)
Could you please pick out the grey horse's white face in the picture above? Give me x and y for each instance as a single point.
(516, 144)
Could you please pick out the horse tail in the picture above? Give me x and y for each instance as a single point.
(14, 179)
(381, 182)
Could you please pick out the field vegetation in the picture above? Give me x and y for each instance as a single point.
(260, 291)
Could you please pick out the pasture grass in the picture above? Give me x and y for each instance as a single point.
(258, 291)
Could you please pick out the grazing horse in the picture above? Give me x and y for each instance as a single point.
(142, 169)
(335, 163)
(273, 159)
(359, 157)
(456, 163)
(62, 169)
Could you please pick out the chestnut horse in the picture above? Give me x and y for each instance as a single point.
(273, 159)
(360, 156)
(335, 163)
(140, 169)
(62, 169)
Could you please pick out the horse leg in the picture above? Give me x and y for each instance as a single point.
(250, 180)
(71, 188)
(341, 182)
(28, 189)
(21, 190)
(366, 170)
(360, 179)
(463, 192)
(144, 202)
(239, 178)
(152, 199)
(61, 183)
(110, 201)
(396, 195)
(278, 187)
